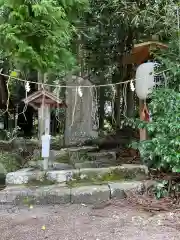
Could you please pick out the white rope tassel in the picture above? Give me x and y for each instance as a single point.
(74, 109)
(112, 104)
(27, 87)
(80, 91)
(96, 106)
(132, 86)
(58, 91)
(125, 99)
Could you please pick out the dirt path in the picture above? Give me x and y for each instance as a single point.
(79, 222)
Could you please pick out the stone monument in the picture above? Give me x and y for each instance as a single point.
(81, 114)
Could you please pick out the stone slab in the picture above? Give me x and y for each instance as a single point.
(22, 177)
(53, 196)
(120, 189)
(48, 195)
(86, 164)
(96, 164)
(10, 194)
(111, 156)
(25, 170)
(90, 194)
(60, 176)
(55, 165)
(58, 194)
(61, 166)
(143, 168)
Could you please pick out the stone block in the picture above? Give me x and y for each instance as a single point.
(48, 195)
(12, 195)
(86, 164)
(104, 156)
(135, 168)
(53, 196)
(90, 194)
(61, 166)
(121, 189)
(22, 177)
(58, 176)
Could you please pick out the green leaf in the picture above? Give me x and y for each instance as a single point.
(14, 74)
(158, 195)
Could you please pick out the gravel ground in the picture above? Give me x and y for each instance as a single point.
(79, 222)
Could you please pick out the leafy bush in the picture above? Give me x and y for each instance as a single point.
(9, 162)
(162, 149)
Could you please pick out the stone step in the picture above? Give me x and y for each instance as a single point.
(77, 158)
(95, 164)
(56, 165)
(125, 170)
(94, 194)
(99, 163)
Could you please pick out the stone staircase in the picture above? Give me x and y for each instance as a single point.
(83, 164)
(76, 158)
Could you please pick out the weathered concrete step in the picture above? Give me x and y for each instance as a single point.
(125, 170)
(76, 158)
(65, 166)
(95, 164)
(64, 151)
(21, 195)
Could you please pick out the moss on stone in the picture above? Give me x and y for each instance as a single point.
(74, 157)
(63, 159)
(114, 175)
(43, 181)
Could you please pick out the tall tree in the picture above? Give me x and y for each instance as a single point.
(110, 30)
(37, 33)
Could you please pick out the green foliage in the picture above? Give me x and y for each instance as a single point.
(161, 189)
(166, 188)
(38, 33)
(159, 18)
(107, 34)
(11, 135)
(9, 162)
(111, 27)
(162, 149)
(170, 63)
